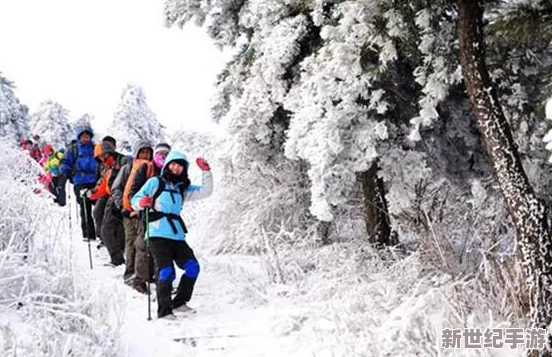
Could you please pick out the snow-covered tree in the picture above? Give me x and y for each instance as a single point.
(14, 116)
(51, 122)
(194, 143)
(530, 214)
(134, 119)
(84, 120)
(250, 108)
(353, 91)
(330, 85)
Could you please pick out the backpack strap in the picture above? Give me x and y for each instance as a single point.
(75, 152)
(171, 217)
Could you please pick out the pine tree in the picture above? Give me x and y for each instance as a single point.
(194, 143)
(51, 122)
(134, 120)
(250, 106)
(14, 116)
(530, 214)
(84, 120)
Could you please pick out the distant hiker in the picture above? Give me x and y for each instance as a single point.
(38, 141)
(52, 166)
(79, 166)
(165, 195)
(32, 148)
(99, 207)
(112, 231)
(136, 272)
(126, 148)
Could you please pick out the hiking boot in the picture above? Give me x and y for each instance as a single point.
(183, 308)
(129, 281)
(142, 288)
(170, 317)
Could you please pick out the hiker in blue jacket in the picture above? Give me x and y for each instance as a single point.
(79, 166)
(165, 195)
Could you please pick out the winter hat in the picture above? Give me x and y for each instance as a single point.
(101, 148)
(48, 149)
(139, 145)
(84, 129)
(111, 140)
(161, 147)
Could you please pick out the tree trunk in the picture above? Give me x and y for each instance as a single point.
(376, 215)
(528, 212)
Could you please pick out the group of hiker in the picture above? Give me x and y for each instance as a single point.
(132, 205)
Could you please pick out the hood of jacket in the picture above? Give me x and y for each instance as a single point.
(176, 156)
(139, 145)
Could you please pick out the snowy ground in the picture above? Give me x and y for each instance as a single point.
(222, 326)
(241, 313)
(231, 319)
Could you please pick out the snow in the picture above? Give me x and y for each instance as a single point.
(548, 108)
(334, 300)
(231, 319)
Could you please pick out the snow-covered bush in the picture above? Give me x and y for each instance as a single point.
(47, 307)
(51, 122)
(14, 116)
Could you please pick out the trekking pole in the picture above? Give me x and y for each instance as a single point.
(86, 218)
(69, 206)
(148, 257)
(77, 213)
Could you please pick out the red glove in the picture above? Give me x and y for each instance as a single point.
(202, 164)
(146, 201)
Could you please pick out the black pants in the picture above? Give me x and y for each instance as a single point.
(59, 187)
(165, 252)
(87, 221)
(113, 233)
(98, 213)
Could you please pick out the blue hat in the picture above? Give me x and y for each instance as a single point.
(84, 129)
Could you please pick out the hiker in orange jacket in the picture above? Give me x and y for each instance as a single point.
(112, 231)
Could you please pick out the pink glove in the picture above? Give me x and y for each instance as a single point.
(146, 201)
(202, 164)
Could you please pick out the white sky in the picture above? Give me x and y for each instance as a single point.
(82, 53)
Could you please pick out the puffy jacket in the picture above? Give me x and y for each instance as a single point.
(118, 188)
(52, 163)
(82, 166)
(111, 171)
(170, 201)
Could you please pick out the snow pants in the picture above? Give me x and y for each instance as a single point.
(98, 213)
(136, 253)
(87, 221)
(113, 233)
(165, 252)
(57, 187)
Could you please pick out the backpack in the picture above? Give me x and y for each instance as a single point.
(73, 148)
(136, 164)
(171, 217)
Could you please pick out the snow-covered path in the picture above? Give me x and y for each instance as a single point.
(233, 318)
